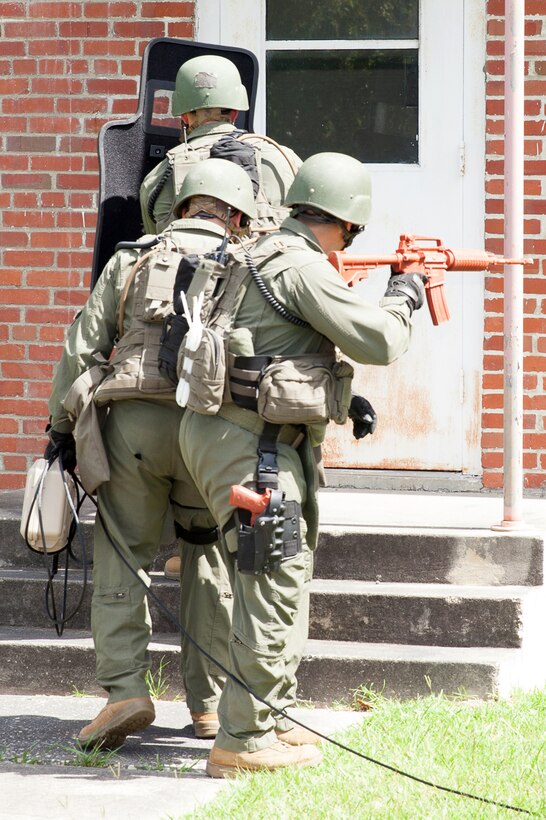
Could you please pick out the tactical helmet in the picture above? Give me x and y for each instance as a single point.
(208, 81)
(222, 180)
(336, 184)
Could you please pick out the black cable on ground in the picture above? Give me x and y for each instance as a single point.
(282, 712)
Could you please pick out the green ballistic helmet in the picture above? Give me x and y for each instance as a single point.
(221, 179)
(208, 82)
(336, 184)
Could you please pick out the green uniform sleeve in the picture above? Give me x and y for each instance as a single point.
(93, 331)
(367, 333)
(278, 173)
(162, 205)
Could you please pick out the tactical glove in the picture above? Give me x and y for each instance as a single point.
(411, 286)
(363, 416)
(62, 446)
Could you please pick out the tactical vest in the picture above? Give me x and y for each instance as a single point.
(135, 361)
(306, 389)
(182, 159)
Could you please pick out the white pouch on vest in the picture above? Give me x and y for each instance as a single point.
(46, 498)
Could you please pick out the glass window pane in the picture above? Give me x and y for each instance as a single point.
(342, 20)
(362, 103)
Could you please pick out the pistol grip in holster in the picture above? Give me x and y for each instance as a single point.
(274, 536)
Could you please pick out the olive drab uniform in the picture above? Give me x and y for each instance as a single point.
(121, 324)
(270, 609)
(276, 167)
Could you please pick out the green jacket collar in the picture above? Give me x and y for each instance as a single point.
(211, 128)
(296, 227)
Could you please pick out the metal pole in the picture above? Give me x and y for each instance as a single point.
(513, 277)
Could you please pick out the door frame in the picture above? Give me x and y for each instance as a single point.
(242, 23)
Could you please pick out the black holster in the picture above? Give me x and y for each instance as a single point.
(274, 536)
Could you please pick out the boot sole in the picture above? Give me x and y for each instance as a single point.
(111, 737)
(227, 772)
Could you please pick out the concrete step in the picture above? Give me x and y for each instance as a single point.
(35, 660)
(436, 556)
(424, 614)
(419, 614)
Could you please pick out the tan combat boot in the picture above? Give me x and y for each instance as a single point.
(116, 721)
(205, 724)
(299, 736)
(172, 568)
(222, 763)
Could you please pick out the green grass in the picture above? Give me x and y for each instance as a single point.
(494, 749)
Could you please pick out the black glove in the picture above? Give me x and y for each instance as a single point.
(363, 416)
(63, 446)
(409, 285)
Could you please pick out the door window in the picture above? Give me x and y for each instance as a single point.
(343, 76)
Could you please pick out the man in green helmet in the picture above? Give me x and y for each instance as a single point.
(120, 326)
(270, 574)
(208, 96)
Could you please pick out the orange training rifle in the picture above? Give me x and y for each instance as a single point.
(432, 260)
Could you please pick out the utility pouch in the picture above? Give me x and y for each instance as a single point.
(207, 379)
(175, 328)
(303, 390)
(272, 538)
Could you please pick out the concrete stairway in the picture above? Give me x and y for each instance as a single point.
(405, 610)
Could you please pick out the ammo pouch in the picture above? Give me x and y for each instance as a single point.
(307, 389)
(208, 373)
(270, 540)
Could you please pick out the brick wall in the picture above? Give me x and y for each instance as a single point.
(65, 69)
(534, 459)
(68, 67)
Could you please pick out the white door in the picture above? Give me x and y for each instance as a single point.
(431, 184)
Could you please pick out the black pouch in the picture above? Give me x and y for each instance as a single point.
(270, 540)
(175, 328)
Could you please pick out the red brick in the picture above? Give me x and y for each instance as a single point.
(31, 144)
(44, 353)
(11, 388)
(29, 219)
(82, 105)
(111, 48)
(53, 199)
(76, 181)
(492, 481)
(168, 9)
(534, 481)
(182, 30)
(56, 10)
(60, 162)
(24, 333)
(30, 371)
(13, 49)
(12, 239)
(40, 239)
(110, 10)
(8, 425)
(55, 47)
(53, 86)
(54, 125)
(83, 29)
(13, 85)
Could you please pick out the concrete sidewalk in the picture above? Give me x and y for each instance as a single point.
(423, 510)
(156, 775)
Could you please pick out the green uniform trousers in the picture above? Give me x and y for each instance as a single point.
(147, 476)
(270, 611)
